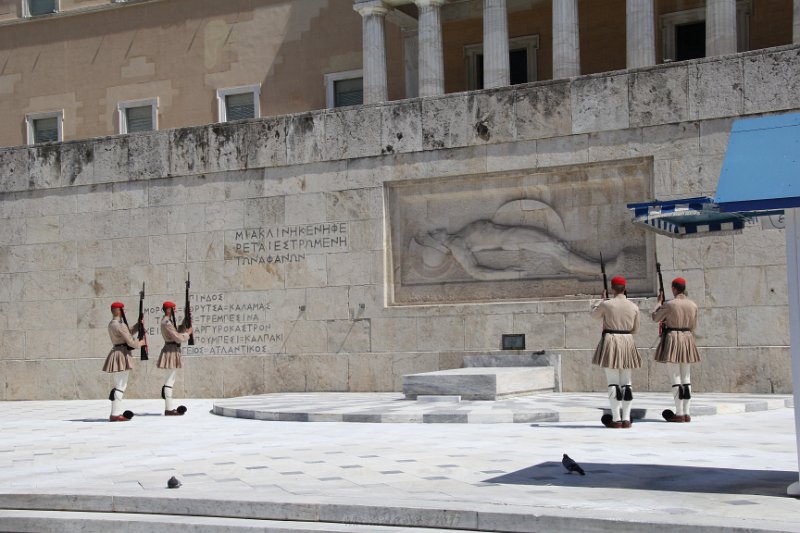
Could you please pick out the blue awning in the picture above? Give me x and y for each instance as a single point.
(761, 170)
(690, 217)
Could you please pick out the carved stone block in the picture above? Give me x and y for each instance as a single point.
(401, 128)
(486, 383)
(445, 122)
(658, 96)
(716, 89)
(522, 234)
(266, 142)
(599, 103)
(491, 115)
(543, 111)
(772, 81)
(305, 138)
(352, 132)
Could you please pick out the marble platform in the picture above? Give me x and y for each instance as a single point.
(503, 358)
(392, 408)
(480, 383)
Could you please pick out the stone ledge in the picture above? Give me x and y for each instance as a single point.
(319, 136)
(32, 512)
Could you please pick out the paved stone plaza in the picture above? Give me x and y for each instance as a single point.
(719, 473)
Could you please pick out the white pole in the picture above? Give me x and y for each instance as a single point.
(793, 269)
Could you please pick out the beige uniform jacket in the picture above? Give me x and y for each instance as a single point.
(617, 350)
(119, 358)
(170, 356)
(677, 346)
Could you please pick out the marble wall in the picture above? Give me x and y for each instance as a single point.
(289, 228)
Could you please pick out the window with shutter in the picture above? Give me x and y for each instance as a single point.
(41, 7)
(45, 130)
(239, 106)
(239, 103)
(139, 118)
(348, 92)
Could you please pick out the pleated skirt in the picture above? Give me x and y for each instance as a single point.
(617, 350)
(118, 360)
(169, 358)
(677, 347)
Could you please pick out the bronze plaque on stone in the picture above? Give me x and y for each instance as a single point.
(528, 234)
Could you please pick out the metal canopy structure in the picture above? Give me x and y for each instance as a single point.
(760, 177)
(692, 217)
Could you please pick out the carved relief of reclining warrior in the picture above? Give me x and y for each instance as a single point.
(485, 235)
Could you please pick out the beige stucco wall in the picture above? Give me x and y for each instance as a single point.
(181, 51)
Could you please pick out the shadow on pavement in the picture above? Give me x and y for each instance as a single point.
(106, 419)
(671, 478)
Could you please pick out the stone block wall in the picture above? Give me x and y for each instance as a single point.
(282, 224)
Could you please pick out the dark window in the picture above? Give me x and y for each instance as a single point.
(45, 130)
(518, 61)
(479, 71)
(690, 41)
(518, 67)
(139, 118)
(348, 92)
(41, 7)
(240, 106)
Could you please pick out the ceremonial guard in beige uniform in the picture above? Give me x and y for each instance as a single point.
(119, 361)
(616, 353)
(170, 358)
(677, 347)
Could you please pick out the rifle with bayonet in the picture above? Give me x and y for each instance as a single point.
(661, 293)
(142, 332)
(187, 312)
(605, 277)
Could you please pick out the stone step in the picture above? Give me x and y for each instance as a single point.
(480, 383)
(504, 358)
(26, 521)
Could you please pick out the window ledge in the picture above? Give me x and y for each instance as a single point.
(75, 12)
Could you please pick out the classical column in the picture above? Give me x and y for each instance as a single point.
(374, 43)
(640, 34)
(720, 27)
(495, 44)
(431, 57)
(566, 46)
(411, 60)
(796, 32)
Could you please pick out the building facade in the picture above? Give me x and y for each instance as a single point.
(76, 69)
(336, 249)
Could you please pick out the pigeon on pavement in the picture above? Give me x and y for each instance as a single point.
(571, 465)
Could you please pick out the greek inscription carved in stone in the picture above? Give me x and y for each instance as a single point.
(223, 327)
(285, 244)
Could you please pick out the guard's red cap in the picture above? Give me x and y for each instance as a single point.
(618, 280)
(679, 281)
(171, 305)
(118, 305)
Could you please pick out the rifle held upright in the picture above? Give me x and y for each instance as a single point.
(187, 312)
